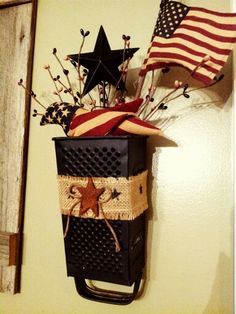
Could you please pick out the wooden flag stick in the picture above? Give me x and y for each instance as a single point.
(141, 80)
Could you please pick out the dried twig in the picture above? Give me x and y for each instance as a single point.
(57, 92)
(66, 73)
(30, 93)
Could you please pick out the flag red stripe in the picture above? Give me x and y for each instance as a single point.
(187, 49)
(131, 106)
(142, 123)
(85, 117)
(106, 128)
(118, 131)
(151, 67)
(176, 57)
(157, 65)
(203, 78)
(229, 27)
(213, 12)
(112, 126)
(202, 44)
(221, 39)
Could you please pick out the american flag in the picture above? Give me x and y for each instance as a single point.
(195, 38)
(109, 122)
(118, 120)
(59, 113)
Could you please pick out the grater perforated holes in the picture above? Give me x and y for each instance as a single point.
(92, 161)
(92, 246)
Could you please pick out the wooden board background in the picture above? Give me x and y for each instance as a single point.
(17, 23)
(7, 3)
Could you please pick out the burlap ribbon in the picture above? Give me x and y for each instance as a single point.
(123, 198)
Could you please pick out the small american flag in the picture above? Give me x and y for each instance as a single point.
(195, 38)
(118, 120)
(107, 122)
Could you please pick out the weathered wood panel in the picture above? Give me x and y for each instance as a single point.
(7, 3)
(15, 62)
(8, 249)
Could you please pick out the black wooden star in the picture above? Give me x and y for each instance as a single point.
(103, 63)
(115, 194)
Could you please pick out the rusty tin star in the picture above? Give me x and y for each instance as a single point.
(89, 198)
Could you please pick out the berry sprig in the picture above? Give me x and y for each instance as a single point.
(124, 72)
(58, 90)
(148, 113)
(66, 73)
(84, 34)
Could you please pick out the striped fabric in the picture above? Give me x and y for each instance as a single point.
(195, 38)
(109, 122)
(118, 120)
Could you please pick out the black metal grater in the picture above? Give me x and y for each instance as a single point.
(89, 246)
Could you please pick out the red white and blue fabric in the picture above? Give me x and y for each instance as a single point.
(185, 35)
(119, 120)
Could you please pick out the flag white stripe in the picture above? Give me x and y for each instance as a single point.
(185, 54)
(210, 28)
(134, 128)
(95, 122)
(213, 17)
(204, 38)
(184, 63)
(189, 44)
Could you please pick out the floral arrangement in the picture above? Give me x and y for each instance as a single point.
(183, 36)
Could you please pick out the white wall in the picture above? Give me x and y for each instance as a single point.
(189, 256)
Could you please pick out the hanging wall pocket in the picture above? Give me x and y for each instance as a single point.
(103, 198)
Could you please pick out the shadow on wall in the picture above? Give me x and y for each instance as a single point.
(150, 216)
(154, 144)
(201, 98)
(221, 298)
(215, 97)
(181, 74)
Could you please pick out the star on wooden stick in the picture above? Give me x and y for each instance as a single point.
(103, 63)
(89, 198)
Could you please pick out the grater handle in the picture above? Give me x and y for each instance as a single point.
(107, 296)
